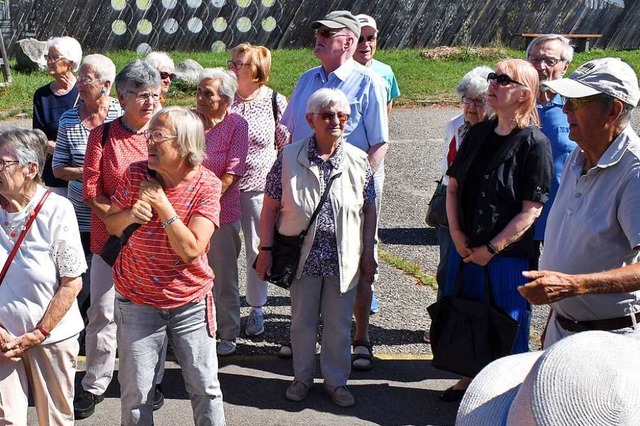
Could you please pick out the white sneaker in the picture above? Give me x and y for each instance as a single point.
(255, 323)
(226, 347)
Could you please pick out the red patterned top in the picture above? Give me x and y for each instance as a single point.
(148, 271)
(103, 168)
(226, 147)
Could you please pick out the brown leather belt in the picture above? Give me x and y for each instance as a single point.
(604, 325)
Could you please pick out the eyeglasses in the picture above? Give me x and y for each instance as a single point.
(502, 79)
(325, 33)
(5, 163)
(330, 116)
(369, 39)
(145, 96)
(575, 103)
(164, 75)
(236, 64)
(54, 59)
(157, 137)
(87, 79)
(480, 102)
(549, 62)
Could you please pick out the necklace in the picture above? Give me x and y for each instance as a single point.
(252, 96)
(15, 228)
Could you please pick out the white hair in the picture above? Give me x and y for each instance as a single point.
(103, 67)
(160, 60)
(228, 82)
(321, 98)
(69, 49)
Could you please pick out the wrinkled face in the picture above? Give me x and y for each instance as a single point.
(546, 58)
(56, 63)
(166, 76)
(240, 64)
(587, 118)
(141, 103)
(328, 124)
(473, 107)
(208, 98)
(330, 43)
(12, 176)
(367, 44)
(162, 146)
(89, 85)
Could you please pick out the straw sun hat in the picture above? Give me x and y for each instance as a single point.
(590, 378)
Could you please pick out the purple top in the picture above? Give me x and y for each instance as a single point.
(226, 148)
(323, 257)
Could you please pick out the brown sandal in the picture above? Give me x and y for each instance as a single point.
(356, 356)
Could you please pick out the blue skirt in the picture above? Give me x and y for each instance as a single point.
(506, 276)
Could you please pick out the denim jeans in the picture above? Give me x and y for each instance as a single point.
(141, 334)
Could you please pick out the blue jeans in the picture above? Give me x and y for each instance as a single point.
(142, 331)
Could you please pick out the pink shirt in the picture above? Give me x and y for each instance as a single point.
(148, 271)
(226, 148)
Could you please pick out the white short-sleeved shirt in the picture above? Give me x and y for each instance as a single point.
(51, 249)
(594, 226)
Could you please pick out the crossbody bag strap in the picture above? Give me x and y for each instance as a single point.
(23, 234)
(325, 194)
(274, 107)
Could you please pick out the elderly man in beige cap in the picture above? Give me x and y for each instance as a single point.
(367, 45)
(589, 266)
(367, 128)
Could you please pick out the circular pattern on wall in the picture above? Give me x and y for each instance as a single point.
(143, 49)
(118, 4)
(169, 4)
(243, 3)
(268, 3)
(218, 47)
(218, 3)
(269, 24)
(144, 4)
(194, 25)
(243, 24)
(144, 26)
(119, 27)
(170, 26)
(194, 3)
(219, 25)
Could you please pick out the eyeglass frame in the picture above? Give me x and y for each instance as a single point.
(151, 139)
(502, 79)
(329, 116)
(169, 75)
(536, 60)
(153, 97)
(369, 39)
(468, 101)
(574, 104)
(58, 59)
(328, 33)
(5, 163)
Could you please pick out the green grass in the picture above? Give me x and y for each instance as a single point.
(410, 268)
(420, 79)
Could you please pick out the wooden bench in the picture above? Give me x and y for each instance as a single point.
(582, 41)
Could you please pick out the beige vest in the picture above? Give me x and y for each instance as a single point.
(301, 194)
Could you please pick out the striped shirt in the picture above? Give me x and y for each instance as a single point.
(71, 144)
(148, 271)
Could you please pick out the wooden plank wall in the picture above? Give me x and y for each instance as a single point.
(218, 24)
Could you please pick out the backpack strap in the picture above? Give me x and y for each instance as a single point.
(105, 134)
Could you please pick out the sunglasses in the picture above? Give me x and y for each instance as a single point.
(164, 75)
(502, 79)
(330, 116)
(369, 39)
(575, 103)
(236, 64)
(325, 33)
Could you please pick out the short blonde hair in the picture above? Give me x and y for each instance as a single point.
(523, 72)
(260, 58)
(188, 130)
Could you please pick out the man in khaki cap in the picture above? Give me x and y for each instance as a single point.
(593, 231)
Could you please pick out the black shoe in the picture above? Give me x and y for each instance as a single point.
(84, 404)
(452, 395)
(158, 398)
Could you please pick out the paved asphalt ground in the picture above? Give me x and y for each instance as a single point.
(402, 389)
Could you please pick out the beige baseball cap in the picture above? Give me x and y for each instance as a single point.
(339, 19)
(610, 76)
(367, 21)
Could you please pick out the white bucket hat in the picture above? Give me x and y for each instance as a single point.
(610, 76)
(590, 378)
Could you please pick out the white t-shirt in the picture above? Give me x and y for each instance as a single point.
(50, 250)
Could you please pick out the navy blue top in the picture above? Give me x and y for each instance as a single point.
(47, 109)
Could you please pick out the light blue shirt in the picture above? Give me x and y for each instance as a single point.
(368, 124)
(385, 71)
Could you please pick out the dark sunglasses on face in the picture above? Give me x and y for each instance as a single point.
(369, 39)
(330, 116)
(325, 33)
(165, 75)
(575, 103)
(502, 79)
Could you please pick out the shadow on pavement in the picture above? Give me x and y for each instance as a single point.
(408, 236)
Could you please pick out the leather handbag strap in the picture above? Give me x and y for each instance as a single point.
(325, 194)
(457, 285)
(23, 234)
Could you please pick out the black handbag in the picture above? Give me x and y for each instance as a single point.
(466, 335)
(285, 250)
(437, 211)
(114, 244)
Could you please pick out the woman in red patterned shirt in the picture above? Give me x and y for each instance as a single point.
(162, 278)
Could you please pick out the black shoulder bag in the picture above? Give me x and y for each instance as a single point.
(467, 335)
(285, 250)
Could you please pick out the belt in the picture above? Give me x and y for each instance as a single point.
(604, 325)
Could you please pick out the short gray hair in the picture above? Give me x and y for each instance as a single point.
(228, 82)
(28, 145)
(567, 49)
(69, 49)
(475, 81)
(137, 75)
(188, 129)
(160, 60)
(322, 98)
(103, 67)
